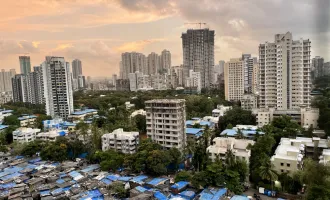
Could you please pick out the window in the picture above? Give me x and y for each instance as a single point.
(282, 170)
(288, 164)
(282, 164)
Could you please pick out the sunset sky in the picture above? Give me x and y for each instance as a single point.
(98, 31)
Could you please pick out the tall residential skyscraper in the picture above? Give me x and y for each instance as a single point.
(198, 54)
(248, 63)
(19, 87)
(153, 64)
(76, 68)
(57, 87)
(234, 79)
(132, 62)
(221, 66)
(165, 61)
(166, 122)
(25, 64)
(5, 80)
(285, 72)
(317, 67)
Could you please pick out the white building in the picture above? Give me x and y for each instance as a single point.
(118, 140)
(134, 80)
(248, 66)
(166, 122)
(194, 80)
(285, 73)
(153, 63)
(220, 110)
(57, 87)
(51, 135)
(129, 105)
(165, 60)
(4, 113)
(234, 79)
(139, 112)
(198, 54)
(5, 80)
(306, 117)
(76, 68)
(5, 97)
(221, 145)
(22, 135)
(132, 62)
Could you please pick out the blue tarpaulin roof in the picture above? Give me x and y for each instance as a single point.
(139, 179)
(91, 194)
(3, 127)
(160, 196)
(141, 189)
(60, 181)
(156, 181)
(84, 112)
(74, 174)
(45, 193)
(220, 193)
(194, 131)
(180, 185)
(187, 194)
(62, 133)
(11, 176)
(4, 173)
(90, 168)
(246, 133)
(13, 169)
(238, 197)
(113, 177)
(106, 181)
(34, 160)
(124, 178)
(57, 191)
(7, 185)
(27, 117)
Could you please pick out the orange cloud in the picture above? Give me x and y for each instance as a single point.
(135, 46)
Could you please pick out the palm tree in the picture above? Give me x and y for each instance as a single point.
(240, 134)
(267, 172)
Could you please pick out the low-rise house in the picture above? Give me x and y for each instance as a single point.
(221, 145)
(200, 123)
(80, 115)
(220, 110)
(24, 134)
(51, 135)
(194, 134)
(138, 112)
(118, 140)
(4, 113)
(247, 131)
(289, 154)
(27, 120)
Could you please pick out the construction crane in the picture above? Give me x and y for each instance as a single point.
(200, 24)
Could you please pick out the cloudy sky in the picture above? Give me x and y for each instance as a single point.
(98, 31)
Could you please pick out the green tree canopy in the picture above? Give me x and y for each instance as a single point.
(236, 116)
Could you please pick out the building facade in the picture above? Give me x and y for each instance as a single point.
(57, 87)
(23, 135)
(119, 140)
(165, 61)
(284, 67)
(234, 79)
(198, 54)
(249, 101)
(25, 64)
(5, 80)
(166, 122)
(76, 68)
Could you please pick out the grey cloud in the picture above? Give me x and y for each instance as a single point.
(158, 6)
(16, 47)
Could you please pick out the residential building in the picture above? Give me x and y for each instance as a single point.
(234, 79)
(165, 61)
(144, 82)
(255, 79)
(248, 64)
(200, 123)
(57, 87)
(221, 67)
(122, 85)
(4, 113)
(304, 116)
(198, 54)
(153, 63)
(23, 135)
(80, 115)
(221, 145)
(119, 140)
(220, 110)
(76, 68)
(325, 157)
(326, 69)
(249, 101)
(289, 154)
(317, 68)
(194, 80)
(20, 90)
(5, 80)
(284, 68)
(134, 80)
(114, 79)
(166, 122)
(6, 97)
(81, 82)
(132, 62)
(193, 134)
(27, 120)
(25, 64)
(51, 135)
(138, 112)
(247, 131)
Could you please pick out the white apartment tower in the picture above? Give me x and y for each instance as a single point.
(5, 80)
(166, 122)
(133, 80)
(76, 68)
(234, 79)
(198, 54)
(153, 63)
(285, 73)
(165, 60)
(132, 62)
(248, 63)
(194, 80)
(57, 87)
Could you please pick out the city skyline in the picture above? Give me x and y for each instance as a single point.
(98, 32)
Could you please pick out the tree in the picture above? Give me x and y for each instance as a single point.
(236, 116)
(157, 162)
(267, 172)
(96, 138)
(141, 124)
(32, 148)
(11, 120)
(55, 152)
(119, 190)
(82, 129)
(176, 157)
(183, 176)
(8, 133)
(40, 119)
